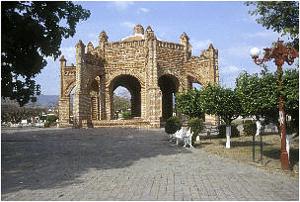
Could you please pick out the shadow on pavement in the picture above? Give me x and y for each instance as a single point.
(46, 159)
(275, 154)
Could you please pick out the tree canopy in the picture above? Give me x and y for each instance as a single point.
(32, 31)
(280, 16)
(121, 103)
(222, 102)
(257, 95)
(189, 103)
(291, 94)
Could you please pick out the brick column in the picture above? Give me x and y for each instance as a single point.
(108, 103)
(154, 96)
(155, 106)
(102, 98)
(64, 111)
(82, 102)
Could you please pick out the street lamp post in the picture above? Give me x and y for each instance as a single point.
(280, 53)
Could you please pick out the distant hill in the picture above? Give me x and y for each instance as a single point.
(121, 101)
(45, 101)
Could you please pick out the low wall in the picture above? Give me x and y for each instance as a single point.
(132, 123)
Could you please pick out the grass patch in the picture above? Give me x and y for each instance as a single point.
(241, 150)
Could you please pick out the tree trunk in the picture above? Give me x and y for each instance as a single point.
(228, 134)
(258, 127)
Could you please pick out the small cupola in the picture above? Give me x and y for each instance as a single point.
(138, 30)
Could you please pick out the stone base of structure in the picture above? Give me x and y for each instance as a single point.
(130, 123)
(65, 125)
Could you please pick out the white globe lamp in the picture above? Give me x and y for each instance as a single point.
(254, 52)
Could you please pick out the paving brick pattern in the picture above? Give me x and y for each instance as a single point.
(126, 164)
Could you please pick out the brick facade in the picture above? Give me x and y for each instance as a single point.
(151, 69)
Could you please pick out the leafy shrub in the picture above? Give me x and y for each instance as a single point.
(47, 124)
(249, 127)
(172, 125)
(196, 126)
(51, 119)
(222, 131)
(126, 115)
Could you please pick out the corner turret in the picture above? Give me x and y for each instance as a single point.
(185, 41)
(90, 47)
(138, 30)
(63, 61)
(184, 38)
(149, 34)
(103, 38)
(80, 50)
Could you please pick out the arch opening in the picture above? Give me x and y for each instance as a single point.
(169, 86)
(121, 103)
(130, 86)
(193, 83)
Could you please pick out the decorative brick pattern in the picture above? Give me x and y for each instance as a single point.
(141, 57)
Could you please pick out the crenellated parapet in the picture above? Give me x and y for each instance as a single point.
(205, 67)
(153, 70)
(170, 45)
(122, 44)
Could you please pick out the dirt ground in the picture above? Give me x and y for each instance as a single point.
(242, 150)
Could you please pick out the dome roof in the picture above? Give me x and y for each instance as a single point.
(138, 34)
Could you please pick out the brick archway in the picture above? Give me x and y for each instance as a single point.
(193, 79)
(133, 85)
(169, 85)
(151, 69)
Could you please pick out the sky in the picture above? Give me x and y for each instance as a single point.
(227, 25)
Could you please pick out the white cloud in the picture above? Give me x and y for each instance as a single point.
(122, 5)
(242, 51)
(228, 75)
(143, 10)
(231, 69)
(199, 45)
(128, 24)
(238, 51)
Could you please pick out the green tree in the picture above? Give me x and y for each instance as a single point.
(32, 31)
(280, 16)
(196, 125)
(120, 103)
(172, 125)
(51, 119)
(257, 95)
(16, 114)
(222, 102)
(190, 104)
(291, 94)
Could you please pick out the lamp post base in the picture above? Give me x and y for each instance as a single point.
(284, 160)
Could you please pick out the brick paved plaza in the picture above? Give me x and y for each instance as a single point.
(126, 164)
